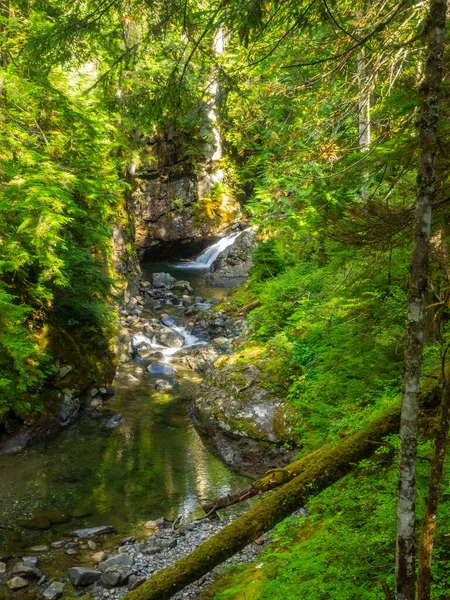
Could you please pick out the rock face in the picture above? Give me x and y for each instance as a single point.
(230, 269)
(173, 201)
(247, 424)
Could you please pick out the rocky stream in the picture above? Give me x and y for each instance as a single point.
(117, 496)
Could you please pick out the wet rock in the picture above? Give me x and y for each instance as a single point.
(115, 421)
(170, 338)
(32, 560)
(54, 591)
(161, 385)
(162, 280)
(17, 583)
(71, 551)
(187, 300)
(183, 286)
(93, 531)
(83, 576)
(230, 268)
(68, 412)
(167, 321)
(119, 560)
(27, 570)
(159, 368)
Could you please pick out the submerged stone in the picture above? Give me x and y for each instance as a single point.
(159, 368)
(54, 591)
(115, 421)
(39, 523)
(25, 569)
(93, 531)
(17, 583)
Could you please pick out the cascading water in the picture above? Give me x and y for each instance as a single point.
(208, 256)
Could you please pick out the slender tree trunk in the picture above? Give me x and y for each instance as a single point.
(432, 499)
(418, 279)
(4, 16)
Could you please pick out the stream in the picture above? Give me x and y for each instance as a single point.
(154, 464)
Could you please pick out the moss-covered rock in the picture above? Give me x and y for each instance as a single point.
(245, 417)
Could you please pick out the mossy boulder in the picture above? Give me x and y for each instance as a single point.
(248, 422)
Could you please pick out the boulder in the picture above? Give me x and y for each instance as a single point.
(247, 420)
(119, 560)
(170, 338)
(54, 591)
(230, 268)
(115, 576)
(83, 576)
(162, 280)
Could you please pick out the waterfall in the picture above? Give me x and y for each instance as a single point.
(208, 256)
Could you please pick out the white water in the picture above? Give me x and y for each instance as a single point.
(208, 256)
(167, 352)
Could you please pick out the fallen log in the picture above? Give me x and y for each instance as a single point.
(271, 480)
(284, 501)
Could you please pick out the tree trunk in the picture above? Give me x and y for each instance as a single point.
(273, 479)
(4, 16)
(281, 503)
(432, 499)
(418, 279)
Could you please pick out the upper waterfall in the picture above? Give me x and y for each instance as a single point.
(208, 256)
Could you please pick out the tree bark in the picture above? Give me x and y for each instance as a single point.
(432, 499)
(418, 279)
(281, 503)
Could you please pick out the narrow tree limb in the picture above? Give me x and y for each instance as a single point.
(234, 537)
(272, 479)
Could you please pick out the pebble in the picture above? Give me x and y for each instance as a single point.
(17, 583)
(162, 550)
